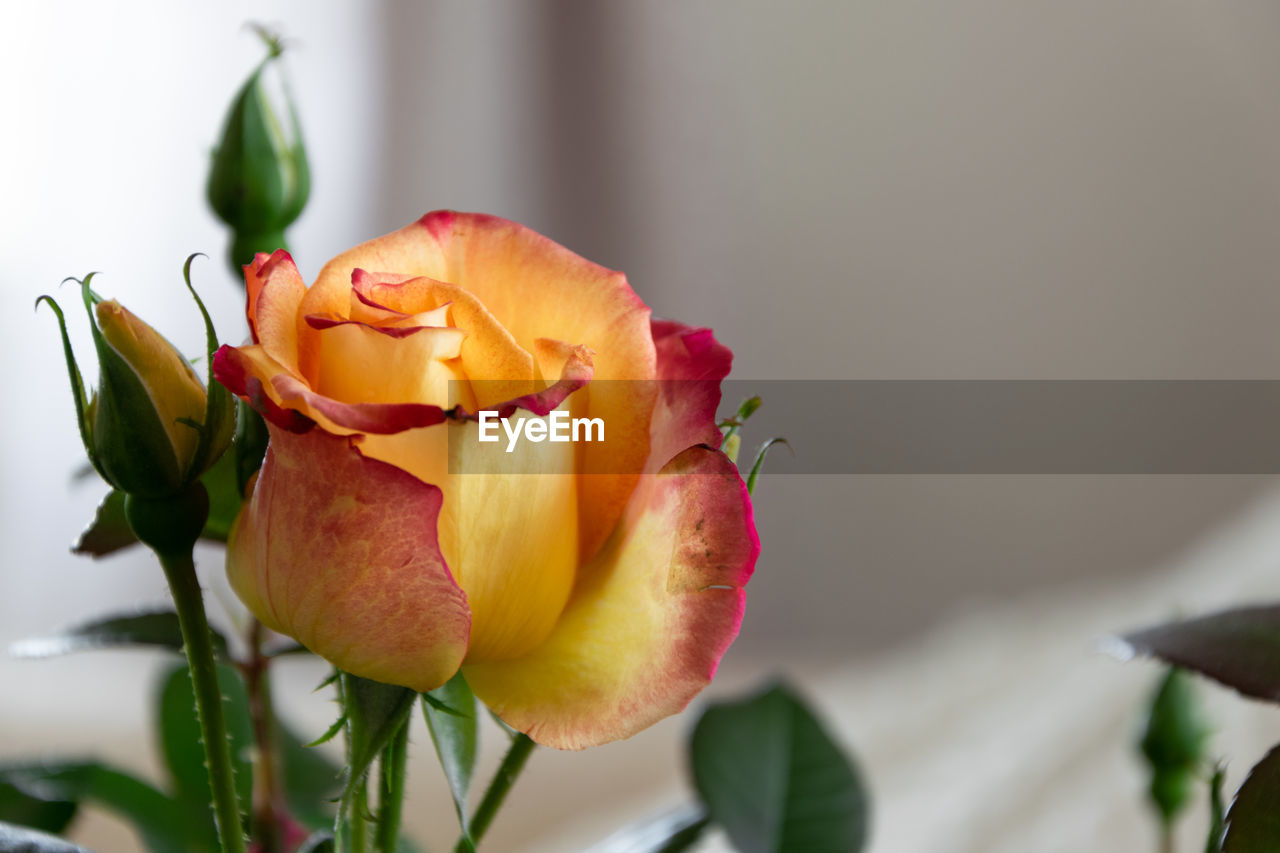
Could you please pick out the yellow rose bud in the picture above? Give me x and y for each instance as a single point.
(150, 428)
(176, 393)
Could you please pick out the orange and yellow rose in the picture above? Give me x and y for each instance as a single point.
(585, 597)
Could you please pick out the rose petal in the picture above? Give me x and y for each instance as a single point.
(648, 623)
(274, 289)
(691, 365)
(534, 288)
(247, 372)
(340, 552)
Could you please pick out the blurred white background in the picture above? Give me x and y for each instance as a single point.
(923, 189)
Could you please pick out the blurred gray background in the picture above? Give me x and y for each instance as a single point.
(842, 190)
(924, 189)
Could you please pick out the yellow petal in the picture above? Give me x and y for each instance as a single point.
(175, 390)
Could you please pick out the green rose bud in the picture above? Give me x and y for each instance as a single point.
(1175, 744)
(260, 180)
(150, 429)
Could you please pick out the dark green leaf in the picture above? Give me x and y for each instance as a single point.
(26, 802)
(375, 712)
(451, 718)
(1174, 743)
(774, 780)
(156, 628)
(671, 832)
(109, 531)
(1253, 822)
(153, 815)
(311, 781)
(183, 750)
(1239, 648)
(19, 839)
(1217, 812)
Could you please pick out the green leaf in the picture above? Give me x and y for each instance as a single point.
(153, 815)
(375, 712)
(18, 839)
(25, 802)
(1239, 648)
(1253, 821)
(671, 832)
(109, 531)
(775, 780)
(1174, 743)
(1217, 812)
(154, 628)
(311, 781)
(183, 751)
(451, 718)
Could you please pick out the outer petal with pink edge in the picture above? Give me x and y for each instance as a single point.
(339, 552)
(650, 618)
(691, 365)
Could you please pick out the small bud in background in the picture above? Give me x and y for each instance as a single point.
(1175, 744)
(150, 429)
(259, 181)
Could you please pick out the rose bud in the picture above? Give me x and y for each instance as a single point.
(259, 181)
(150, 428)
(585, 590)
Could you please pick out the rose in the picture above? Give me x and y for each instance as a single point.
(584, 601)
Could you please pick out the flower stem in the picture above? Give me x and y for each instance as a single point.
(521, 748)
(268, 807)
(391, 795)
(180, 571)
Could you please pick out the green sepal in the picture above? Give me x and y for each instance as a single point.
(729, 426)
(450, 712)
(250, 446)
(132, 448)
(225, 498)
(78, 393)
(759, 463)
(219, 412)
(375, 712)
